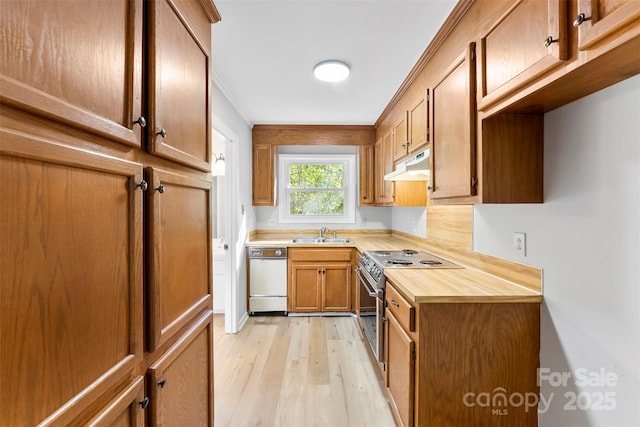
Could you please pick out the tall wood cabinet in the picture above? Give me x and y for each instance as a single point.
(88, 304)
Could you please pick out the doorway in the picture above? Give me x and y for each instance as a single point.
(224, 223)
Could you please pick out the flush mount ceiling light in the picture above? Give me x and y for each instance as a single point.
(331, 71)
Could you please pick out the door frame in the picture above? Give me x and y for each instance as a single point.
(231, 228)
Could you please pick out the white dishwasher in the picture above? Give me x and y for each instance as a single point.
(267, 280)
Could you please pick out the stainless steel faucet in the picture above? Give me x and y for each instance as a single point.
(323, 230)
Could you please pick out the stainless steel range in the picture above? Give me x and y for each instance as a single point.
(370, 271)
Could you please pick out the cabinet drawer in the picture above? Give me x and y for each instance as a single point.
(322, 255)
(401, 308)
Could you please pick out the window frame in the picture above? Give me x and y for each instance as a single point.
(348, 161)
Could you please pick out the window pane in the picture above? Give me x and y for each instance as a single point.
(316, 202)
(316, 176)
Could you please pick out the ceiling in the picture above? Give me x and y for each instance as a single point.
(264, 53)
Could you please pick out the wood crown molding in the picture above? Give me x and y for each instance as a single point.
(211, 11)
(456, 15)
(314, 134)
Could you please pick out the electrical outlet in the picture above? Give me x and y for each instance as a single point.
(520, 243)
(364, 220)
(271, 221)
(413, 226)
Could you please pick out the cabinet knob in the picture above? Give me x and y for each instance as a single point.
(160, 188)
(549, 40)
(429, 188)
(141, 121)
(162, 382)
(143, 185)
(580, 19)
(144, 403)
(162, 133)
(394, 303)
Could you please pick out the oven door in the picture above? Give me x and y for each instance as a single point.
(370, 312)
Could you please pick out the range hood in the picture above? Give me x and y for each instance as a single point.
(415, 168)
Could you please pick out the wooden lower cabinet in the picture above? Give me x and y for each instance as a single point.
(400, 369)
(461, 351)
(319, 280)
(181, 381)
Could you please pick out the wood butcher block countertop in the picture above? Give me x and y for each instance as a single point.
(481, 280)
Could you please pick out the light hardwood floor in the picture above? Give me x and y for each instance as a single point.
(298, 372)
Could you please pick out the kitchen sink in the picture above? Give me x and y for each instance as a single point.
(325, 240)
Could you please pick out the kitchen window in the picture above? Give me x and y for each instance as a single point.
(317, 188)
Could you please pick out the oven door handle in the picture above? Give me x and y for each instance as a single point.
(372, 292)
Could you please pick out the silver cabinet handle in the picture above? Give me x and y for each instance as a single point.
(162, 133)
(140, 121)
(549, 40)
(580, 19)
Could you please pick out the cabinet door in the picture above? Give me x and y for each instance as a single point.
(305, 287)
(453, 119)
(388, 186)
(400, 369)
(181, 386)
(527, 41)
(125, 410)
(366, 175)
(400, 138)
(179, 255)
(599, 19)
(336, 287)
(71, 274)
(378, 154)
(41, 72)
(419, 124)
(263, 175)
(178, 88)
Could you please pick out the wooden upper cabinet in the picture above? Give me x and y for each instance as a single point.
(40, 70)
(400, 138)
(388, 187)
(418, 119)
(453, 119)
(598, 20)
(378, 187)
(383, 165)
(181, 388)
(179, 127)
(367, 172)
(526, 42)
(263, 174)
(71, 275)
(179, 239)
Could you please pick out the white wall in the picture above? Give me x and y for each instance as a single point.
(586, 237)
(411, 220)
(366, 217)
